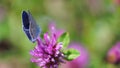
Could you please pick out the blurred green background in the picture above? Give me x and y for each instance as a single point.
(94, 23)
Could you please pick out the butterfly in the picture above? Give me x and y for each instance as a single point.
(30, 27)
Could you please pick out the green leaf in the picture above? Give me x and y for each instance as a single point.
(71, 54)
(65, 39)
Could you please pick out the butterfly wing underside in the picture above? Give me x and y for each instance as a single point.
(30, 26)
(34, 28)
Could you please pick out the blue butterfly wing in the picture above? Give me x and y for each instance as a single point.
(30, 27)
(34, 28)
(25, 20)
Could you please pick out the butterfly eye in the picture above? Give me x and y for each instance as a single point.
(30, 27)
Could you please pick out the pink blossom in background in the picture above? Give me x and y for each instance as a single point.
(82, 61)
(113, 55)
(117, 2)
(52, 28)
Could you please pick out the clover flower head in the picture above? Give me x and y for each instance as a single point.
(47, 53)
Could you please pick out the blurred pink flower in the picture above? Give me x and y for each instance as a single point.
(52, 28)
(117, 2)
(82, 61)
(113, 55)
